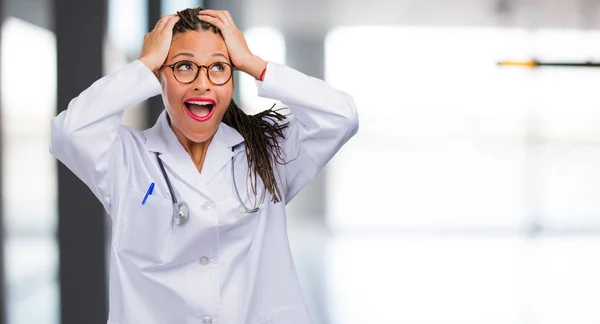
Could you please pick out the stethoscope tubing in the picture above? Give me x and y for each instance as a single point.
(181, 210)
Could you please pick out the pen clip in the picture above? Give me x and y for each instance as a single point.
(148, 193)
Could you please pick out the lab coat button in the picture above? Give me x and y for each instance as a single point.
(207, 205)
(204, 260)
(207, 320)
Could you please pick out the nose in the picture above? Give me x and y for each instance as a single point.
(202, 83)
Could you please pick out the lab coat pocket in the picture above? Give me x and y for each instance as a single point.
(296, 314)
(146, 229)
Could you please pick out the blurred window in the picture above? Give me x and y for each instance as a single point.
(463, 157)
(448, 140)
(28, 75)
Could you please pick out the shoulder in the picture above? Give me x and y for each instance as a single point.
(128, 134)
(132, 140)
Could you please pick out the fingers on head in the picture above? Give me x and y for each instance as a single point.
(211, 20)
(167, 21)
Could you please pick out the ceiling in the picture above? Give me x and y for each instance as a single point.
(317, 16)
(313, 15)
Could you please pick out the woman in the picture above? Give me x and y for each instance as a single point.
(198, 200)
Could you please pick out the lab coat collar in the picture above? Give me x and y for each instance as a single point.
(161, 136)
(161, 139)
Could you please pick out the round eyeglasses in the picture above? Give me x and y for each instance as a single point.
(218, 73)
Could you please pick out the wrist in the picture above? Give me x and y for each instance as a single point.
(148, 64)
(255, 67)
(262, 75)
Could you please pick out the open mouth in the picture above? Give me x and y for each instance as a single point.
(200, 109)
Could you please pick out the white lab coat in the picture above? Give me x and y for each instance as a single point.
(222, 267)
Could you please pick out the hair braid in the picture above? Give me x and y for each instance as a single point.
(261, 133)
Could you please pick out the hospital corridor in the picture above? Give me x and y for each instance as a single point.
(469, 195)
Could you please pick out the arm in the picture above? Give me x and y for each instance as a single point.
(85, 135)
(323, 120)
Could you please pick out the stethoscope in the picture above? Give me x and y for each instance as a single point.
(181, 211)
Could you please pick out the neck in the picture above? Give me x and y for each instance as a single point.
(196, 150)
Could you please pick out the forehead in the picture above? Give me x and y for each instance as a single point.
(202, 44)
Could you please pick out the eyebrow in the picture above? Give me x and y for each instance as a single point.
(184, 54)
(192, 55)
(220, 54)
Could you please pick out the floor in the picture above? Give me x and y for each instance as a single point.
(406, 278)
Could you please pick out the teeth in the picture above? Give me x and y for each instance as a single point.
(202, 103)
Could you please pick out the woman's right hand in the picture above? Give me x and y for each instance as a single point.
(157, 43)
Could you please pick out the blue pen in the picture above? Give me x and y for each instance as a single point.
(148, 193)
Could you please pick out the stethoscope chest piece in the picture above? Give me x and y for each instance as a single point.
(181, 214)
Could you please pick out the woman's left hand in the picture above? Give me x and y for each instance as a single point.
(241, 56)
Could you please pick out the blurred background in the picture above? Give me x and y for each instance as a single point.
(470, 194)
